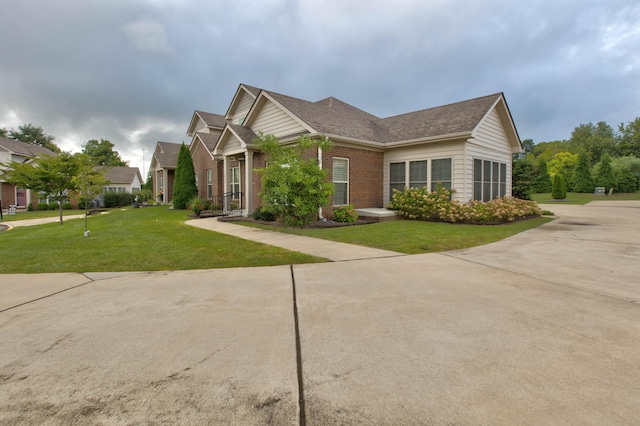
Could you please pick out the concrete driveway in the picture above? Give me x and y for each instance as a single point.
(543, 327)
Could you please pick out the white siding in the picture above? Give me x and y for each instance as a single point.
(432, 151)
(273, 120)
(201, 126)
(242, 107)
(232, 145)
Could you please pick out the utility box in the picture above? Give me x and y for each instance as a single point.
(599, 190)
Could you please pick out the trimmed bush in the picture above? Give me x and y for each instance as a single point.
(345, 214)
(184, 186)
(30, 207)
(420, 204)
(625, 180)
(67, 206)
(559, 187)
(118, 199)
(43, 206)
(262, 213)
(53, 206)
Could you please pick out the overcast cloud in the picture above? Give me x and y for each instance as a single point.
(134, 71)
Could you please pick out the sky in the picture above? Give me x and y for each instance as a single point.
(134, 71)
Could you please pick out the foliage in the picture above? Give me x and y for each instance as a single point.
(559, 187)
(604, 173)
(184, 186)
(542, 182)
(629, 139)
(563, 163)
(547, 150)
(596, 140)
(88, 183)
(293, 188)
(54, 206)
(67, 206)
(118, 199)
(632, 163)
(42, 206)
(51, 175)
(197, 205)
(626, 181)
(582, 178)
(346, 214)
(263, 214)
(30, 207)
(3, 132)
(34, 135)
(523, 178)
(102, 153)
(584, 198)
(148, 185)
(419, 203)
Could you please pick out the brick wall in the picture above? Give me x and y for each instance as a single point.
(202, 162)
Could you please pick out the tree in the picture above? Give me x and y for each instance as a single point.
(527, 149)
(3, 132)
(542, 183)
(582, 178)
(596, 140)
(49, 175)
(604, 174)
(523, 177)
(34, 135)
(102, 153)
(559, 188)
(629, 139)
(626, 181)
(89, 183)
(293, 188)
(184, 186)
(563, 163)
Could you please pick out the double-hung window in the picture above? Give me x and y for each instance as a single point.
(234, 180)
(341, 181)
(418, 173)
(441, 173)
(209, 183)
(489, 179)
(396, 177)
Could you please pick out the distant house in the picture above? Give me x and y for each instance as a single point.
(21, 152)
(163, 169)
(465, 146)
(123, 179)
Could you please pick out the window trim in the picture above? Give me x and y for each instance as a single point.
(209, 183)
(232, 182)
(450, 181)
(333, 179)
(499, 186)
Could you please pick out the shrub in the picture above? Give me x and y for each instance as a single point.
(184, 186)
(53, 206)
(30, 207)
(559, 187)
(118, 199)
(582, 179)
(419, 203)
(604, 175)
(262, 213)
(196, 205)
(43, 206)
(345, 214)
(67, 206)
(625, 180)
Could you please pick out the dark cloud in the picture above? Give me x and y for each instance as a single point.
(133, 72)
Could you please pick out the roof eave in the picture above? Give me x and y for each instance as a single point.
(430, 139)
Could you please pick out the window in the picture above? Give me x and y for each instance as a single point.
(234, 180)
(195, 174)
(418, 174)
(441, 173)
(209, 183)
(489, 179)
(160, 184)
(396, 178)
(341, 181)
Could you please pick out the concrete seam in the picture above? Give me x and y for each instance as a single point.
(301, 409)
(46, 297)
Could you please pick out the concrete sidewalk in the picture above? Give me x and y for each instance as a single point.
(332, 250)
(40, 221)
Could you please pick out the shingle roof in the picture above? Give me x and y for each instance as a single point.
(23, 148)
(169, 147)
(211, 119)
(121, 174)
(253, 90)
(209, 140)
(247, 135)
(166, 154)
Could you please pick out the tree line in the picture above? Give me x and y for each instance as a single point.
(596, 155)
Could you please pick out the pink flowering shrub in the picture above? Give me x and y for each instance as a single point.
(420, 204)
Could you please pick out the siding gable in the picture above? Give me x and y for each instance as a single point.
(491, 134)
(241, 107)
(272, 119)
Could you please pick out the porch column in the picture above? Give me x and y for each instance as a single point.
(165, 186)
(248, 182)
(225, 182)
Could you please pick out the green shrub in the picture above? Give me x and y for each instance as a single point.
(419, 203)
(30, 207)
(53, 206)
(184, 186)
(118, 199)
(345, 214)
(582, 178)
(67, 206)
(625, 180)
(43, 206)
(559, 187)
(262, 213)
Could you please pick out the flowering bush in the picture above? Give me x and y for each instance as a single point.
(421, 204)
(196, 205)
(345, 214)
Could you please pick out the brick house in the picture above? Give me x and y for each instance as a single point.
(21, 152)
(163, 170)
(466, 146)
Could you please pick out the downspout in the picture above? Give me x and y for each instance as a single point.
(320, 164)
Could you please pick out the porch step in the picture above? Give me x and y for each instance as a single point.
(378, 214)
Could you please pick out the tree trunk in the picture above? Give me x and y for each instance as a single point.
(60, 210)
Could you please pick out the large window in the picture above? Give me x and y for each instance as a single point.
(209, 183)
(234, 180)
(489, 179)
(418, 174)
(396, 177)
(341, 181)
(441, 173)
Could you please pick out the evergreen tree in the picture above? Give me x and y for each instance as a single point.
(626, 181)
(543, 180)
(184, 186)
(582, 178)
(559, 187)
(605, 176)
(522, 178)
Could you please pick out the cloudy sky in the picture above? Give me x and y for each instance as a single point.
(134, 71)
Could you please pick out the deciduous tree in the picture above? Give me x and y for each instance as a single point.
(34, 135)
(102, 153)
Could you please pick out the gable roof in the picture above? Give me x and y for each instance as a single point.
(211, 120)
(208, 140)
(122, 174)
(242, 88)
(22, 148)
(166, 154)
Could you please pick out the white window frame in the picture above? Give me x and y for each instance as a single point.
(341, 181)
(490, 188)
(209, 183)
(234, 186)
(434, 184)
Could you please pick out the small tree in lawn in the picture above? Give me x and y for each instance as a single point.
(293, 188)
(604, 175)
(49, 175)
(558, 187)
(89, 183)
(184, 186)
(582, 179)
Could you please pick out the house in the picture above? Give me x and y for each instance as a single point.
(465, 146)
(123, 179)
(21, 152)
(163, 169)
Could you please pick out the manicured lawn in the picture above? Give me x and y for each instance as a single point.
(23, 215)
(148, 239)
(412, 237)
(578, 198)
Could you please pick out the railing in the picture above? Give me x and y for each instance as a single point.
(225, 204)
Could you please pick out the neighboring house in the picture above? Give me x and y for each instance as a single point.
(465, 146)
(121, 180)
(163, 170)
(21, 152)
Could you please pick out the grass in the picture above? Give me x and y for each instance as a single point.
(580, 198)
(37, 214)
(148, 239)
(413, 237)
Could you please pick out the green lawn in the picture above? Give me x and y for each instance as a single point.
(23, 215)
(578, 198)
(147, 239)
(412, 237)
